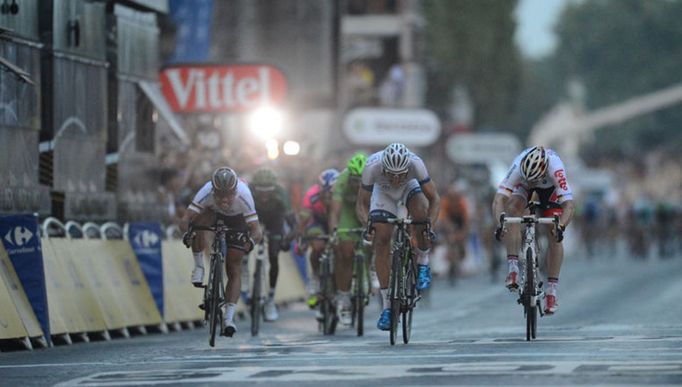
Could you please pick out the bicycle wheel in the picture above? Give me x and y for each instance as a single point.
(215, 314)
(529, 293)
(394, 293)
(327, 306)
(410, 290)
(256, 304)
(359, 297)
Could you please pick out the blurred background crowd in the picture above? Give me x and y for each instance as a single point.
(91, 132)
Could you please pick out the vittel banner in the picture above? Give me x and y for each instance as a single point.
(236, 88)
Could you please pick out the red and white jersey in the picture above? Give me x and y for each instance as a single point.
(555, 177)
(243, 204)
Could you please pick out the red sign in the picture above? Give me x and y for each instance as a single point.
(198, 88)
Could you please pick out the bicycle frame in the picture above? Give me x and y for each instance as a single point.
(403, 293)
(327, 289)
(531, 285)
(214, 291)
(257, 294)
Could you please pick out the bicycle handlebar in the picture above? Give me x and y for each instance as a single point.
(214, 228)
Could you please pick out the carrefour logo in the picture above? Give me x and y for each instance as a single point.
(18, 236)
(17, 240)
(146, 239)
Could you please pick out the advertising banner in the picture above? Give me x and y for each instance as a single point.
(145, 239)
(193, 20)
(209, 88)
(21, 239)
(382, 126)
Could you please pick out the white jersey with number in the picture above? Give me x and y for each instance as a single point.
(243, 204)
(386, 197)
(555, 177)
(372, 174)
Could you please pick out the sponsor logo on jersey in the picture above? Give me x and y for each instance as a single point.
(561, 179)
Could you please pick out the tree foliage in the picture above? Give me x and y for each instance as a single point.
(470, 43)
(621, 49)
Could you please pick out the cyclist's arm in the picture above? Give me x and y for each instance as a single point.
(255, 231)
(429, 189)
(362, 205)
(187, 219)
(568, 208)
(499, 205)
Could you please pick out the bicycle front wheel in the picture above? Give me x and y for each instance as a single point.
(529, 295)
(359, 297)
(395, 296)
(215, 313)
(411, 294)
(327, 306)
(256, 295)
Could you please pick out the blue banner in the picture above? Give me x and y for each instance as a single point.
(145, 238)
(21, 239)
(193, 20)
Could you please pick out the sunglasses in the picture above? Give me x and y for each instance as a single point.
(225, 194)
(394, 176)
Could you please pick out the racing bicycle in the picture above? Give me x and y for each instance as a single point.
(214, 290)
(402, 291)
(530, 280)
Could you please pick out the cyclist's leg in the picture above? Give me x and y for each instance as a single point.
(418, 207)
(344, 265)
(515, 207)
(199, 245)
(275, 230)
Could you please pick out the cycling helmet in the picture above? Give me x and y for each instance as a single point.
(264, 180)
(357, 163)
(395, 158)
(327, 178)
(224, 179)
(534, 164)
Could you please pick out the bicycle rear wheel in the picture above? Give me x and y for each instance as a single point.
(411, 294)
(256, 295)
(215, 313)
(529, 295)
(395, 296)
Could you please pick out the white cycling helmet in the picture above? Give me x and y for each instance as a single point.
(395, 158)
(224, 180)
(534, 164)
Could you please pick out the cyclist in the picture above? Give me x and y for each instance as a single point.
(314, 221)
(274, 208)
(391, 176)
(343, 215)
(229, 199)
(455, 223)
(541, 171)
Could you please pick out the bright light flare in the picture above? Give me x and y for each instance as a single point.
(272, 147)
(291, 148)
(266, 122)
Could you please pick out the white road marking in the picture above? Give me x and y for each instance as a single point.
(372, 372)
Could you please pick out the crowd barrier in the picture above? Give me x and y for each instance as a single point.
(93, 288)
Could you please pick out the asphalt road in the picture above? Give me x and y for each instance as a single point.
(619, 323)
